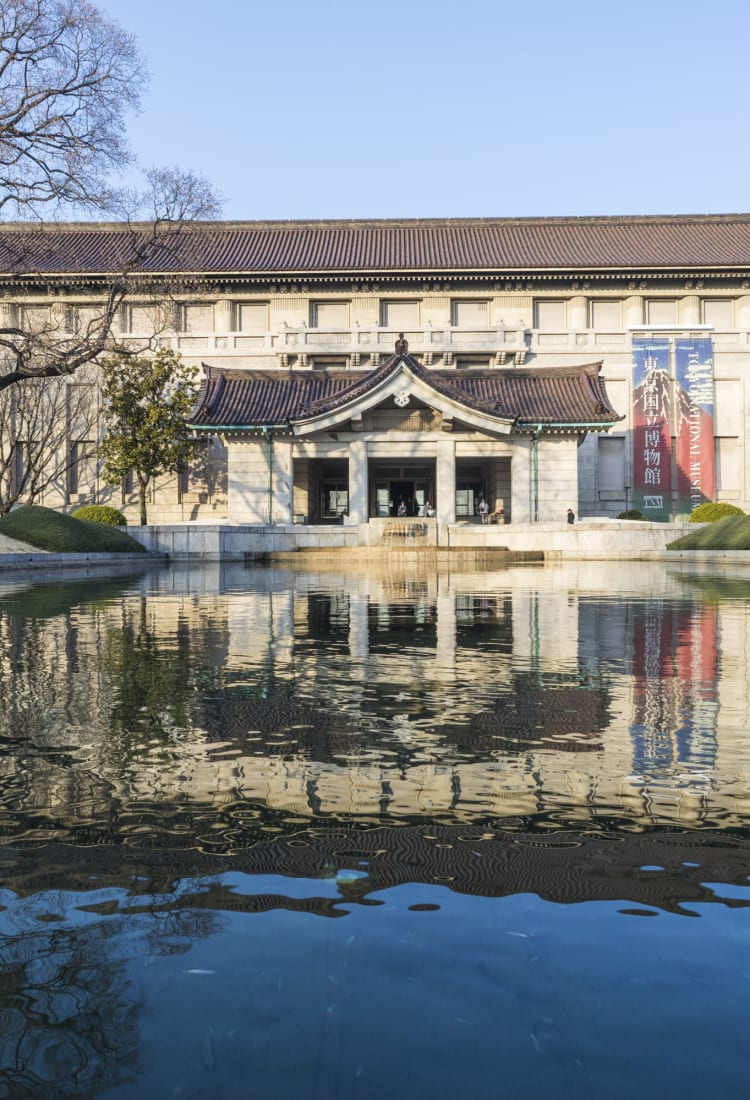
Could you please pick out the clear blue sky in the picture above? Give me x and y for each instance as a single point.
(409, 108)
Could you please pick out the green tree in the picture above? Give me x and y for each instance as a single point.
(147, 401)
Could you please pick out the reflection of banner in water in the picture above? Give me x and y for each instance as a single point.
(694, 427)
(652, 437)
(675, 705)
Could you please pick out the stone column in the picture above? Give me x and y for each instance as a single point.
(445, 601)
(632, 310)
(743, 311)
(282, 479)
(521, 489)
(578, 313)
(60, 317)
(359, 628)
(690, 310)
(247, 480)
(358, 482)
(445, 489)
(7, 314)
(223, 316)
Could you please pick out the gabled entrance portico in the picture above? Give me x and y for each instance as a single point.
(352, 447)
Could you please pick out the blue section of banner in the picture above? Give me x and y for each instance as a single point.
(694, 369)
(649, 354)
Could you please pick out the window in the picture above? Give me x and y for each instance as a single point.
(252, 317)
(472, 362)
(661, 311)
(718, 312)
(82, 469)
(400, 315)
(197, 318)
(36, 318)
(474, 314)
(145, 320)
(329, 314)
(19, 464)
(611, 463)
(550, 316)
(727, 458)
(329, 362)
(605, 316)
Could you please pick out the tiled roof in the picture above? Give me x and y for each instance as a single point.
(560, 396)
(372, 247)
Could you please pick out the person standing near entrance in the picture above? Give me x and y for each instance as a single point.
(484, 510)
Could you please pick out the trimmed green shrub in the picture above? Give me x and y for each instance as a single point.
(54, 531)
(732, 533)
(713, 510)
(632, 513)
(100, 513)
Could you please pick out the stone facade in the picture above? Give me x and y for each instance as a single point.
(523, 312)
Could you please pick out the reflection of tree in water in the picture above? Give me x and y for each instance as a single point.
(155, 680)
(69, 1013)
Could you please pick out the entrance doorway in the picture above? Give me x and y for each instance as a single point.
(401, 489)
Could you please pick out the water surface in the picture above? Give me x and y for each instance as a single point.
(346, 835)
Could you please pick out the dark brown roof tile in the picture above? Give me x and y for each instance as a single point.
(565, 396)
(372, 247)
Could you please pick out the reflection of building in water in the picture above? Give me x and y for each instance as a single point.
(457, 696)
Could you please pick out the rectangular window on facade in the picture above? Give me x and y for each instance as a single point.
(606, 316)
(82, 468)
(329, 314)
(329, 362)
(611, 463)
(661, 311)
(35, 318)
(18, 464)
(470, 314)
(550, 316)
(718, 312)
(472, 362)
(400, 315)
(197, 318)
(252, 317)
(727, 463)
(145, 320)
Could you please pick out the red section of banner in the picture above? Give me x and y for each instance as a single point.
(694, 451)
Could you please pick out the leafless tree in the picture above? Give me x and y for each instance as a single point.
(69, 76)
(48, 433)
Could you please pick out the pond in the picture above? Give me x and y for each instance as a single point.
(353, 834)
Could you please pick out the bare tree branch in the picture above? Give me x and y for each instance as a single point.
(69, 76)
(38, 420)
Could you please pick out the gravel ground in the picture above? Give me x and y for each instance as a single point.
(12, 546)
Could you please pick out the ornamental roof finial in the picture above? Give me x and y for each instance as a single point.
(402, 345)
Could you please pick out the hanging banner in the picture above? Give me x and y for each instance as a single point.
(652, 437)
(694, 422)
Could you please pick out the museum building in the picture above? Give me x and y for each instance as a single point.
(364, 371)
